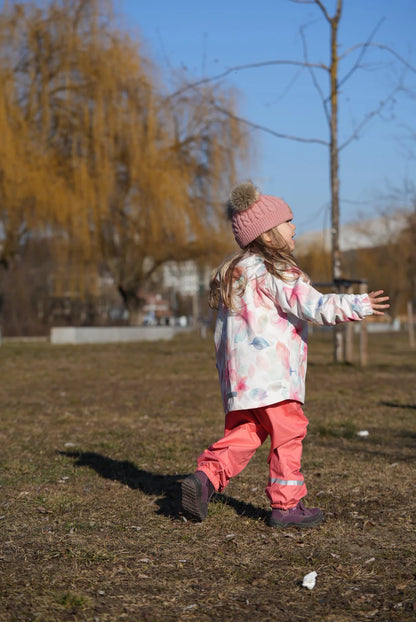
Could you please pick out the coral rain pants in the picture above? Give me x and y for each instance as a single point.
(245, 431)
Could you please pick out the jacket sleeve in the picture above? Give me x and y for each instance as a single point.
(299, 298)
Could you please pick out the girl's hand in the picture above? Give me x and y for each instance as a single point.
(375, 299)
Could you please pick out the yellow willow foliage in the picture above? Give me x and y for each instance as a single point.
(116, 171)
(26, 175)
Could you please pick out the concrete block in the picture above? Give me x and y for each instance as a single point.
(110, 334)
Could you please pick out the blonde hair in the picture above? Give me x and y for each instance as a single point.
(227, 282)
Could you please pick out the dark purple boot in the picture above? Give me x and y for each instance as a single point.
(299, 516)
(197, 491)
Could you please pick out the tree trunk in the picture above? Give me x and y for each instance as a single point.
(133, 303)
(334, 173)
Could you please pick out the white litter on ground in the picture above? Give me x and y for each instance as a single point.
(309, 580)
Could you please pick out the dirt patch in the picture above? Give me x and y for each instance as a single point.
(96, 441)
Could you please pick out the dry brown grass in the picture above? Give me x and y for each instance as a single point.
(95, 443)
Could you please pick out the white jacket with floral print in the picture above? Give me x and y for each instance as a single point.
(261, 348)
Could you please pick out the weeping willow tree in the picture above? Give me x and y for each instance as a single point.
(96, 157)
(173, 171)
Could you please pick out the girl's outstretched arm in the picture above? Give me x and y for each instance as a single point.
(375, 299)
(299, 298)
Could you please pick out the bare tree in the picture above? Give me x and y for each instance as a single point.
(329, 97)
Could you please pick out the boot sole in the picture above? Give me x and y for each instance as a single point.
(191, 498)
(281, 524)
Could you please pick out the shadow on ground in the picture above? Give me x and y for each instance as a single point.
(166, 487)
(398, 405)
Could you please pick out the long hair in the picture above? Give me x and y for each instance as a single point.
(227, 283)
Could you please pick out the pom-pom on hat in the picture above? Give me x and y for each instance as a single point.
(253, 213)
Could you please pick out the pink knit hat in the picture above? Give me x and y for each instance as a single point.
(253, 213)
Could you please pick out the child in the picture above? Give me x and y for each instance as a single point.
(264, 302)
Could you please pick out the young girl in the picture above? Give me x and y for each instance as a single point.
(264, 302)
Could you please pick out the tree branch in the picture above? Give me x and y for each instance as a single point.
(368, 118)
(256, 126)
(313, 76)
(380, 46)
(324, 11)
(364, 49)
(227, 72)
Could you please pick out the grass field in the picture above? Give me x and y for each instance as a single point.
(97, 439)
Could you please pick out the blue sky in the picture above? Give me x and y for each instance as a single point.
(210, 37)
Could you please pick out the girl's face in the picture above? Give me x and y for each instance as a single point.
(287, 231)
